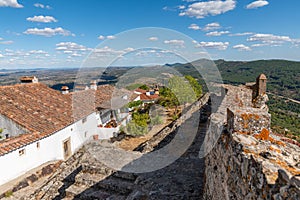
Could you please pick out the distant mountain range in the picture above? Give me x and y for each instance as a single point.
(283, 76)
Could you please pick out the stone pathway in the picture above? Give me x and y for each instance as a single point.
(84, 177)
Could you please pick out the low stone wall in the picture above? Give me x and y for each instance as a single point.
(248, 161)
(149, 145)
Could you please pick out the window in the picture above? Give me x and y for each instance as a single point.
(84, 120)
(38, 145)
(22, 152)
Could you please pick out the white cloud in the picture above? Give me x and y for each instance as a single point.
(269, 39)
(175, 42)
(10, 3)
(38, 52)
(153, 38)
(213, 45)
(39, 5)
(189, 0)
(41, 18)
(212, 26)
(259, 45)
(106, 51)
(166, 8)
(296, 42)
(217, 33)
(242, 47)
(181, 7)
(194, 27)
(101, 37)
(48, 32)
(257, 4)
(241, 34)
(207, 8)
(128, 49)
(1, 56)
(7, 42)
(70, 47)
(17, 54)
(109, 37)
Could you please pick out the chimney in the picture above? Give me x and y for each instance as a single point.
(64, 89)
(93, 85)
(29, 79)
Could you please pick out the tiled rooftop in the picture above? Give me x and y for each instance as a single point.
(150, 97)
(42, 111)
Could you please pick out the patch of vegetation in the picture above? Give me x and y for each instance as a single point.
(139, 124)
(156, 120)
(195, 85)
(135, 130)
(283, 79)
(179, 91)
(133, 86)
(1, 130)
(134, 104)
(8, 194)
(144, 87)
(285, 117)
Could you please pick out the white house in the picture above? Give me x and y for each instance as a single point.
(41, 124)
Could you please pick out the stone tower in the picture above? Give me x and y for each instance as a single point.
(261, 85)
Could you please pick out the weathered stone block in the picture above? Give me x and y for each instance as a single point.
(248, 121)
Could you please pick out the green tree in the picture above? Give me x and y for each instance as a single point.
(135, 130)
(195, 85)
(144, 87)
(141, 119)
(182, 90)
(133, 104)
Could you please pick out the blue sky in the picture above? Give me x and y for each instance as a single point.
(61, 33)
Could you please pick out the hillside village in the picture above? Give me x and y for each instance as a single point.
(40, 124)
(43, 125)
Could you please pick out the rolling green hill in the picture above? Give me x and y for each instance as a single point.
(283, 76)
(283, 80)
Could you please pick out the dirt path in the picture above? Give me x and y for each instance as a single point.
(130, 144)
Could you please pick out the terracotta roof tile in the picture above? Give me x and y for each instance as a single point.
(43, 111)
(150, 97)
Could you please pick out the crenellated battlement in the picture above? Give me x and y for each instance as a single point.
(249, 161)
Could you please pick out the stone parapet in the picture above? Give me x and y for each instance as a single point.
(248, 161)
(247, 120)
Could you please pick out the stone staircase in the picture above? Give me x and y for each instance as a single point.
(90, 180)
(83, 177)
(98, 186)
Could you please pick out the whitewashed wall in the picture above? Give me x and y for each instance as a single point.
(13, 165)
(107, 133)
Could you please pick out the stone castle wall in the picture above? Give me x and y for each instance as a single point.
(248, 161)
